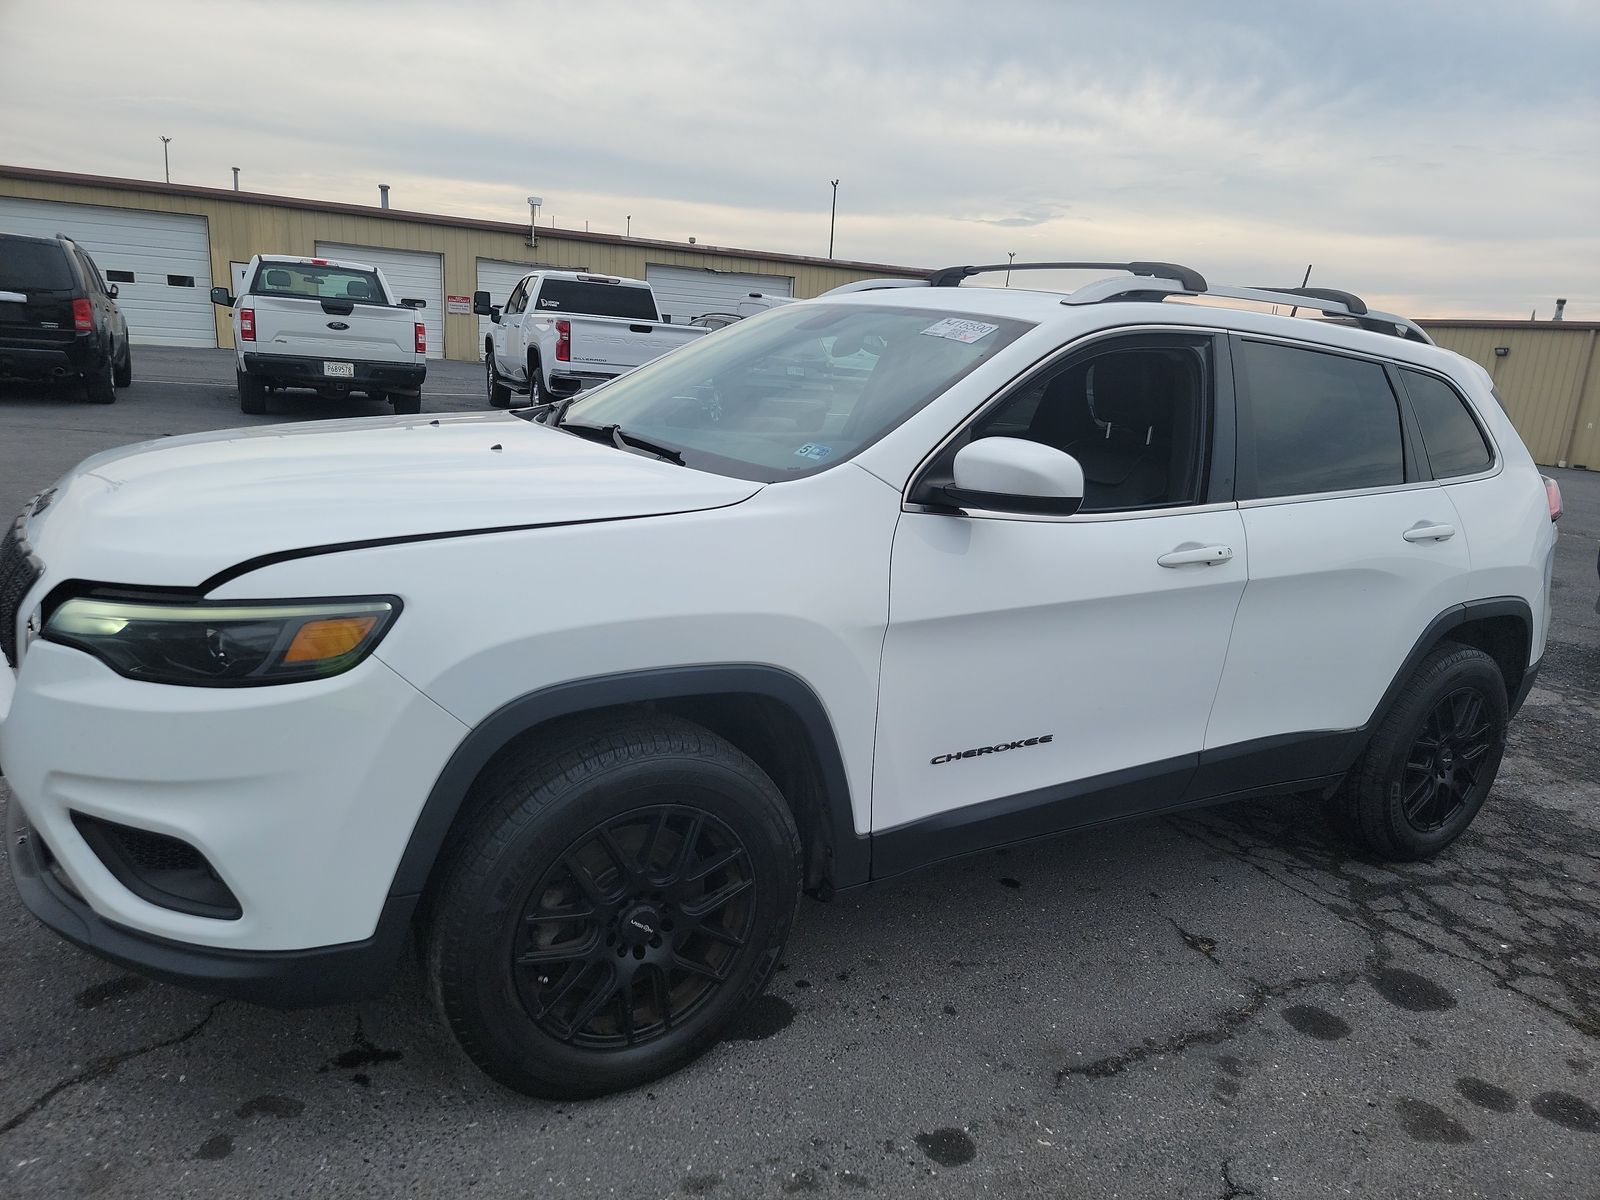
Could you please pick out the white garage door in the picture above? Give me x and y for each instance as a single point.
(160, 262)
(496, 278)
(684, 293)
(412, 275)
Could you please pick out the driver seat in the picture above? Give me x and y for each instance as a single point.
(1126, 465)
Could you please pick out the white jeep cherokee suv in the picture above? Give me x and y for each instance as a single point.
(587, 694)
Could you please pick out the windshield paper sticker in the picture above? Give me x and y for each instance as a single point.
(813, 451)
(958, 330)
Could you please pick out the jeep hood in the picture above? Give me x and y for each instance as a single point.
(177, 511)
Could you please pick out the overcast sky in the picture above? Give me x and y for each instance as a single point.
(1442, 159)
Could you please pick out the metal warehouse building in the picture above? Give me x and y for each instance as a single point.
(164, 245)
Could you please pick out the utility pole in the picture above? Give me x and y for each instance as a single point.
(833, 212)
(1011, 256)
(166, 164)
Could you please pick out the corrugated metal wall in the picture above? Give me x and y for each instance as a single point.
(1547, 378)
(240, 229)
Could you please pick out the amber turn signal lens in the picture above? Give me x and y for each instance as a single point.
(328, 638)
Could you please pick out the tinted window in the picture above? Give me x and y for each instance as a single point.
(1134, 418)
(1316, 423)
(1455, 443)
(34, 266)
(596, 299)
(797, 389)
(309, 281)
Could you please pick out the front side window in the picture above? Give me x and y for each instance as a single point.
(1455, 444)
(797, 389)
(1134, 416)
(316, 283)
(1313, 422)
(519, 296)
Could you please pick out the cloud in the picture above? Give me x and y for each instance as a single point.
(1441, 154)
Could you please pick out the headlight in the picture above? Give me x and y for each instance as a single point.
(223, 645)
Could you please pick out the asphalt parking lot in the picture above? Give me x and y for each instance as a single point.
(1220, 1005)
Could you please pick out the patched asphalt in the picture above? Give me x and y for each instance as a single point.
(1224, 1004)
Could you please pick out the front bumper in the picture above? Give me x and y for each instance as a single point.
(301, 797)
(298, 371)
(285, 979)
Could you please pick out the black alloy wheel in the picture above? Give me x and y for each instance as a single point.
(1446, 760)
(634, 928)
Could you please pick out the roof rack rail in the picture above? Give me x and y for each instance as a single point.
(1191, 279)
(1328, 301)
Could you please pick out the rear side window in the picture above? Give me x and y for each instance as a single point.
(34, 267)
(596, 299)
(1315, 422)
(1455, 444)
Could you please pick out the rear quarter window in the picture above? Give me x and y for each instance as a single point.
(1315, 422)
(1450, 434)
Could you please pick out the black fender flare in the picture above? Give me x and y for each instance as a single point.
(850, 852)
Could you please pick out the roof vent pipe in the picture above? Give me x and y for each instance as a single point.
(236, 179)
(383, 195)
(1561, 307)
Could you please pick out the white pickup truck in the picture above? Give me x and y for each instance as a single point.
(334, 327)
(562, 331)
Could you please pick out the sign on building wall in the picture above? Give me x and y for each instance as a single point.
(458, 306)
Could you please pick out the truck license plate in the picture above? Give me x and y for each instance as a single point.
(339, 370)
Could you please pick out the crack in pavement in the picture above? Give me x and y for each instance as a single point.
(107, 1065)
(1222, 1028)
(1230, 1189)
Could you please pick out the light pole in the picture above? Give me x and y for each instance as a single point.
(166, 164)
(833, 212)
(1010, 257)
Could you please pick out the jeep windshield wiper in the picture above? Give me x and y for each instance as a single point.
(619, 437)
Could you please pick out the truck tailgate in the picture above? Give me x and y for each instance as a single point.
(621, 345)
(332, 329)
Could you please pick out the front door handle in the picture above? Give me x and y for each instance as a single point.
(1429, 533)
(1189, 553)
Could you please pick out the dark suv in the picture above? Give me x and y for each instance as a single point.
(59, 318)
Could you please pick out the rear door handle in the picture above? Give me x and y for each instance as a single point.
(1429, 533)
(1189, 553)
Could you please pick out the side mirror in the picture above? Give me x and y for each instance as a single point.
(1015, 475)
(480, 303)
(111, 290)
(494, 314)
(219, 295)
(413, 304)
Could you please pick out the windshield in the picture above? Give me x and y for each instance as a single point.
(797, 389)
(596, 299)
(318, 283)
(33, 267)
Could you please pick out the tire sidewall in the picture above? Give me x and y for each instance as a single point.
(515, 1050)
(1440, 676)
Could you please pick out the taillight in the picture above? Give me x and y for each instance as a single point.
(422, 338)
(563, 341)
(247, 324)
(1552, 496)
(82, 316)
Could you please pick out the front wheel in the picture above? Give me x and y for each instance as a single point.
(623, 893)
(499, 392)
(1432, 758)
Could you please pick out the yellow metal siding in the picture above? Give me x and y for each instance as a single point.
(1546, 380)
(240, 229)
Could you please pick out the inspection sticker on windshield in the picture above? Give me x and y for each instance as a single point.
(813, 451)
(958, 330)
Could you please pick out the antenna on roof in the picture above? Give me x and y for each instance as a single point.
(1304, 279)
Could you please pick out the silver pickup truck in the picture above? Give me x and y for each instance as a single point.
(562, 331)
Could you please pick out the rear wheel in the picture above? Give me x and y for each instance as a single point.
(623, 893)
(537, 392)
(406, 403)
(1432, 759)
(252, 394)
(122, 376)
(99, 386)
(499, 392)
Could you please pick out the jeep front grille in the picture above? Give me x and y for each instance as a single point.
(19, 571)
